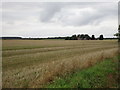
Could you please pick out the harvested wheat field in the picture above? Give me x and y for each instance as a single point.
(34, 63)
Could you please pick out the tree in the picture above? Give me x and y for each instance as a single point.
(74, 37)
(101, 37)
(93, 37)
(67, 38)
(117, 34)
(78, 36)
(82, 36)
(87, 37)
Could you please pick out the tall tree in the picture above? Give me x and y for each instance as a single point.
(82, 36)
(87, 36)
(78, 35)
(101, 37)
(119, 33)
(74, 37)
(93, 37)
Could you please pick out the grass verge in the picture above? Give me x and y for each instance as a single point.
(101, 75)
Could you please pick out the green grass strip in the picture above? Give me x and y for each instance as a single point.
(101, 75)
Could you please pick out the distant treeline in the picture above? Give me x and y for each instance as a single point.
(84, 37)
(4, 38)
(87, 37)
(10, 37)
(73, 37)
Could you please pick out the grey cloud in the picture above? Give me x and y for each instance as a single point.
(18, 11)
(84, 19)
(50, 9)
(104, 10)
(49, 12)
(60, 15)
(88, 19)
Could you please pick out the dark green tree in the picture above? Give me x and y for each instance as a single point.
(87, 37)
(93, 37)
(78, 35)
(101, 37)
(67, 38)
(119, 33)
(74, 37)
(82, 36)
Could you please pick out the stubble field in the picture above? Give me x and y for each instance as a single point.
(34, 63)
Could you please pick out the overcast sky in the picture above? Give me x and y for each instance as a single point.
(49, 19)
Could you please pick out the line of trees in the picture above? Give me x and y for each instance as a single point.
(10, 38)
(73, 37)
(84, 37)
